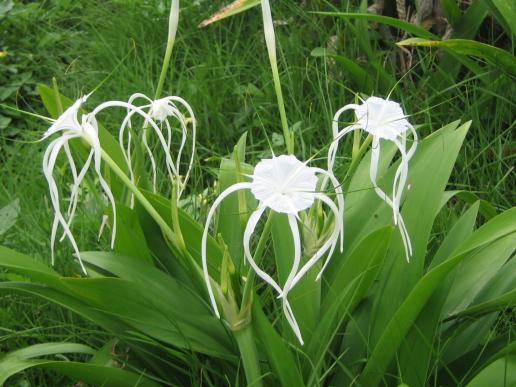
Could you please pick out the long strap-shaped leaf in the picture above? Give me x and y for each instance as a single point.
(499, 227)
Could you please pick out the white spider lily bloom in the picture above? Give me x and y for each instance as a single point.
(383, 119)
(69, 126)
(160, 112)
(285, 185)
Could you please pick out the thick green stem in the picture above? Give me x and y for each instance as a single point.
(355, 161)
(172, 29)
(248, 288)
(167, 230)
(281, 104)
(245, 340)
(139, 196)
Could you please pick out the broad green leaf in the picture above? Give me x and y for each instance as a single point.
(236, 208)
(233, 8)
(23, 264)
(505, 13)
(279, 355)
(356, 274)
(501, 372)
(18, 360)
(429, 173)
(506, 300)
(475, 273)
(391, 21)
(360, 77)
(501, 226)
(23, 359)
(494, 55)
(9, 215)
(153, 315)
(486, 208)
(191, 230)
(417, 348)
(130, 239)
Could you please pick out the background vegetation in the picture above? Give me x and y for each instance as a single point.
(223, 71)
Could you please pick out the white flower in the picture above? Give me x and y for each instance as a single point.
(383, 119)
(159, 112)
(69, 127)
(285, 185)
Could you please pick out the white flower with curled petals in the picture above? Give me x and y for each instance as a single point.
(69, 127)
(161, 111)
(285, 185)
(384, 120)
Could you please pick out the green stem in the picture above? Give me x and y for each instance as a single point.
(281, 104)
(172, 29)
(248, 287)
(139, 196)
(167, 230)
(355, 161)
(245, 340)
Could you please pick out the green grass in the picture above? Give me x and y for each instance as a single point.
(223, 71)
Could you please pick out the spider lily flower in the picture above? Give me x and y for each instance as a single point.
(384, 120)
(160, 112)
(69, 127)
(288, 186)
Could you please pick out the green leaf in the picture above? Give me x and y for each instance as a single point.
(9, 215)
(360, 77)
(391, 21)
(501, 226)
(234, 8)
(162, 316)
(417, 349)
(505, 13)
(23, 359)
(475, 273)
(494, 55)
(16, 361)
(130, 239)
(236, 208)
(429, 173)
(501, 372)
(276, 349)
(355, 275)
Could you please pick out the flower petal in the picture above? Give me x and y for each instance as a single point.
(204, 258)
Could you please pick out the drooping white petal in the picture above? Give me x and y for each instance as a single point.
(328, 245)
(169, 163)
(340, 200)
(49, 161)
(375, 153)
(204, 258)
(249, 228)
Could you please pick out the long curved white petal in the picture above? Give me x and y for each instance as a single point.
(49, 161)
(340, 200)
(332, 241)
(336, 116)
(289, 315)
(249, 228)
(147, 118)
(297, 254)
(204, 259)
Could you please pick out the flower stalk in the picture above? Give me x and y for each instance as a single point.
(270, 41)
(173, 21)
